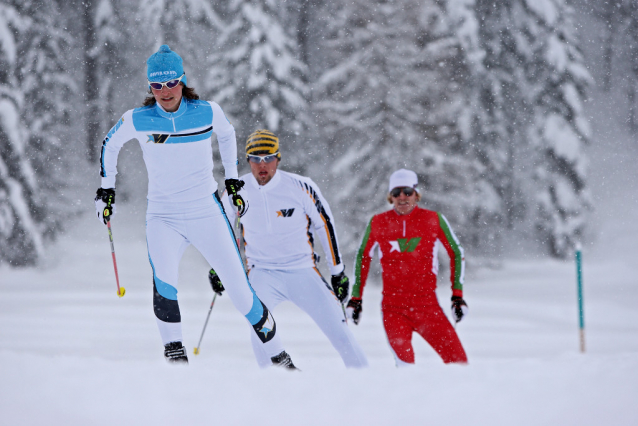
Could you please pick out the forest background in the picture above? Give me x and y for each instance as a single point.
(487, 101)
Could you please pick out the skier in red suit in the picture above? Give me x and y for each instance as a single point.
(408, 238)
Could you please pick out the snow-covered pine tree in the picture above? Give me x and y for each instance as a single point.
(391, 97)
(500, 141)
(560, 130)
(533, 132)
(34, 95)
(605, 11)
(91, 78)
(257, 77)
(488, 209)
(621, 26)
(304, 21)
(189, 27)
(20, 238)
(629, 18)
(103, 64)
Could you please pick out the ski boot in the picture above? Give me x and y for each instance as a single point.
(175, 352)
(283, 360)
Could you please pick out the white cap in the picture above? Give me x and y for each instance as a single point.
(402, 178)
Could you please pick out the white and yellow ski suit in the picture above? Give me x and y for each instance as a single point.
(279, 227)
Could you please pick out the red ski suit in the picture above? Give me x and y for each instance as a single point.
(408, 246)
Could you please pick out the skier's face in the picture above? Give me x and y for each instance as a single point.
(404, 204)
(263, 171)
(169, 99)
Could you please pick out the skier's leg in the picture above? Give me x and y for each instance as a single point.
(212, 235)
(266, 286)
(165, 249)
(307, 289)
(435, 328)
(399, 331)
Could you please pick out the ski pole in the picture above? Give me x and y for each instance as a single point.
(238, 227)
(239, 239)
(120, 290)
(196, 350)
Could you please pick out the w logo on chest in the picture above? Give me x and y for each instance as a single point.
(285, 212)
(403, 245)
(157, 138)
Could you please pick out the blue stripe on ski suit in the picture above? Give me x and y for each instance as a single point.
(191, 138)
(256, 313)
(151, 118)
(163, 288)
(106, 140)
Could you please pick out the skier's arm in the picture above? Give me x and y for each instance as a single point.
(457, 256)
(318, 210)
(122, 132)
(362, 261)
(361, 269)
(227, 142)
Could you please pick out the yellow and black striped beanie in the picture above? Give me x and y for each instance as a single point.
(262, 142)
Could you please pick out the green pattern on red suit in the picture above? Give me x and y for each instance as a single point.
(357, 289)
(457, 262)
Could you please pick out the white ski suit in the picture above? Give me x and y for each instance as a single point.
(278, 230)
(184, 208)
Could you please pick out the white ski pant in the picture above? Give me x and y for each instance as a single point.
(308, 290)
(170, 229)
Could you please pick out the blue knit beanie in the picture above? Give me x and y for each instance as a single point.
(164, 65)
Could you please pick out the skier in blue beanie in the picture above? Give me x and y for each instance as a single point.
(165, 65)
(174, 129)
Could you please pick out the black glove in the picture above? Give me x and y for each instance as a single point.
(354, 309)
(341, 286)
(105, 204)
(459, 308)
(233, 186)
(215, 282)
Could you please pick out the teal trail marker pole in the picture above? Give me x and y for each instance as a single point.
(579, 282)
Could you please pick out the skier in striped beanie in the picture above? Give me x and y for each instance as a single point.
(287, 213)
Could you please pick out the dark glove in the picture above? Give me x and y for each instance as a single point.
(215, 282)
(105, 204)
(459, 308)
(341, 286)
(353, 309)
(233, 186)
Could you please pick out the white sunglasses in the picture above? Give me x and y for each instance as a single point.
(169, 84)
(262, 158)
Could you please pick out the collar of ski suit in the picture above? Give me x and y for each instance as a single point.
(270, 185)
(181, 110)
(405, 216)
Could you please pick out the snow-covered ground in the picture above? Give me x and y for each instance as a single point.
(73, 353)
